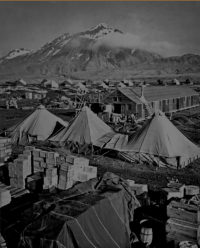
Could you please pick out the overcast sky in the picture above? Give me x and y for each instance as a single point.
(168, 28)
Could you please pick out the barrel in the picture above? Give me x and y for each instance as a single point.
(146, 232)
(191, 190)
(187, 244)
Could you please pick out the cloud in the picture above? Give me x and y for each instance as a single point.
(118, 40)
(131, 41)
(165, 48)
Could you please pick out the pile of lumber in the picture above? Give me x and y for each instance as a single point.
(5, 149)
(183, 223)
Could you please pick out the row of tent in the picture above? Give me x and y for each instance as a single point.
(158, 141)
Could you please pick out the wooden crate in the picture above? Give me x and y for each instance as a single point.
(184, 212)
(176, 228)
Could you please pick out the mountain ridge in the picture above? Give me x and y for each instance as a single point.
(91, 50)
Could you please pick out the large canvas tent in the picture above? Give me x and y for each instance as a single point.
(39, 125)
(87, 128)
(160, 138)
(158, 142)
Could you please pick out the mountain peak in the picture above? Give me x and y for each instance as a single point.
(99, 31)
(104, 25)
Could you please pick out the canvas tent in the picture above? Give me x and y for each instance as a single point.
(87, 128)
(160, 138)
(39, 125)
(157, 142)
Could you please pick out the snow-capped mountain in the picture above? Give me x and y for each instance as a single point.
(91, 50)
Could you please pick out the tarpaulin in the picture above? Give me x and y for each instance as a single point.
(89, 215)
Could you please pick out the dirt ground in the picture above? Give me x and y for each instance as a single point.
(188, 121)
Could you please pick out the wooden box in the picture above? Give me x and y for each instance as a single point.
(43, 154)
(77, 160)
(36, 152)
(38, 159)
(185, 212)
(176, 228)
(139, 188)
(51, 172)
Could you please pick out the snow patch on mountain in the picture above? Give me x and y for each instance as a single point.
(52, 49)
(56, 52)
(64, 42)
(17, 52)
(132, 51)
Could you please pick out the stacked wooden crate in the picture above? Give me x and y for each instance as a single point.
(66, 174)
(44, 161)
(50, 178)
(183, 223)
(82, 171)
(5, 197)
(75, 169)
(5, 149)
(19, 169)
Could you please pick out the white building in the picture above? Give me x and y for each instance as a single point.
(51, 84)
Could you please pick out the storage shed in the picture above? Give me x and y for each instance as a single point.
(166, 98)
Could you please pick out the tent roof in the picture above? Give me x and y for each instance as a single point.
(40, 123)
(87, 128)
(160, 137)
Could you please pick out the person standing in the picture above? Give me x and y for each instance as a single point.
(133, 119)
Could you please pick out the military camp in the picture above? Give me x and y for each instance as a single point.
(67, 170)
(99, 124)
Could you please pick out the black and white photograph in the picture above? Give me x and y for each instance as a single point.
(99, 124)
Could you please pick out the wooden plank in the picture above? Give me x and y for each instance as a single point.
(182, 215)
(183, 205)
